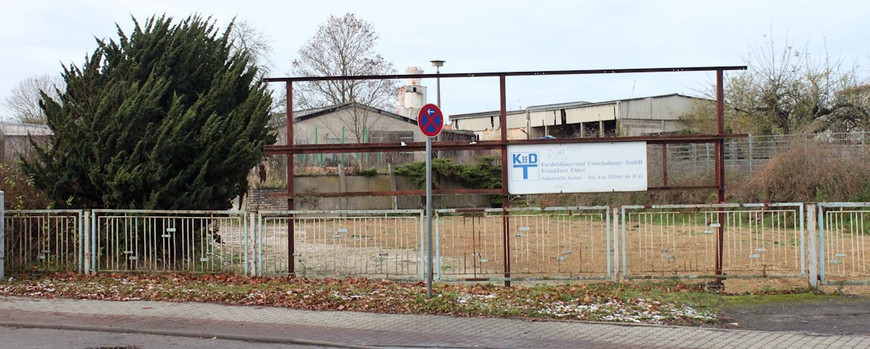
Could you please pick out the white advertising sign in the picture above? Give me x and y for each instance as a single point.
(577, 168)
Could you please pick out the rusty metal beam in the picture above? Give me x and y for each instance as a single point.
(720, 169)
(388, 193)
(683, 187)
(479, 145)
(291, 238)
(504, 74)
(446, 192)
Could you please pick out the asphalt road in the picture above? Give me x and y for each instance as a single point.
(35, 338)
(823, 314)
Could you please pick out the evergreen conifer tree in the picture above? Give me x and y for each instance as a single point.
(170, 116)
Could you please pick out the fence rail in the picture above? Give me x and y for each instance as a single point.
(574, 243)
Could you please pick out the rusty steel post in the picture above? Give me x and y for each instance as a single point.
(505, 198)
(291, 243)
(720, 168)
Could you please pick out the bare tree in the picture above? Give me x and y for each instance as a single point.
(344, 46)
(245, 37)
(789, 90)
(24, 100)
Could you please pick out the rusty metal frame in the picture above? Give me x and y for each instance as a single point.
(291, 149)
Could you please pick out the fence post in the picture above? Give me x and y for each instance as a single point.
(615, 251)
(85, 236)
(250, 230)
(750, 152)
(2, 235)
(813, 246)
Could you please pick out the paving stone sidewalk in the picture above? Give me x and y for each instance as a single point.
(351, 329)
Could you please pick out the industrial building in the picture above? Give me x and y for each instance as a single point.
(624, 117)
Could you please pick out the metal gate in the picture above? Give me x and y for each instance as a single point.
(371, 243)
(169, 241)
(667, 241)
(549, 243)
(844, 237)
(44, 240)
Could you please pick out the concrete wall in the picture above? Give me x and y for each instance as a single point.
(655, 115)
(658, 108)
(259, 200)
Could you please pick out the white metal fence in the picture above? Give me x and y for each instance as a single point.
(844, 239)
(44, 240)
(681, 240)
(553, 243)
(371, 243)
(550, 243)
(169, 241)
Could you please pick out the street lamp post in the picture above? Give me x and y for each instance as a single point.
(437, 63)
(430, 243)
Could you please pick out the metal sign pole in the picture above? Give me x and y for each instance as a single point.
(429, 240)
(431, 121)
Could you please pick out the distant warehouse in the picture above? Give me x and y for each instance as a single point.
(624, 117)
(15, 139)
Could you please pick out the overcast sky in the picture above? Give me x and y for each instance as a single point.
(476, 36)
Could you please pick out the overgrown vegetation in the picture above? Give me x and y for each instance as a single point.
(484, 174)
(18, 189)
(810, 171)
(365, 172)
(666, 302)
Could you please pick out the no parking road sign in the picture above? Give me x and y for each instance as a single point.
(430, 120)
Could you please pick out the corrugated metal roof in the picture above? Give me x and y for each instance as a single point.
(483, 114)
(565, 105)
(556, 106)
(300, 115)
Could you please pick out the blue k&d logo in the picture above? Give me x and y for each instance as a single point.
(527, 163)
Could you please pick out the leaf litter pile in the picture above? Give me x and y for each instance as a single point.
(656, 303)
